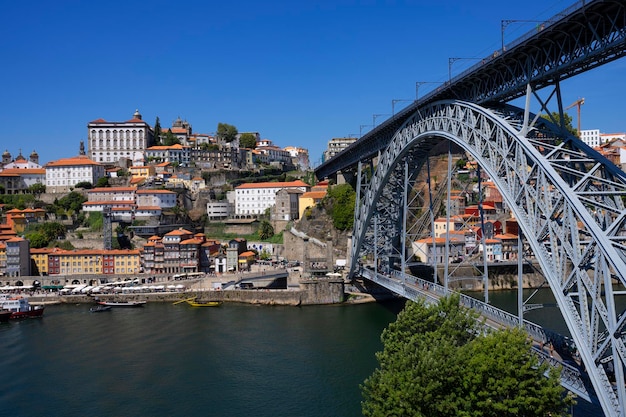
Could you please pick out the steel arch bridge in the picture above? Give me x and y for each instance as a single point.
(568, 201)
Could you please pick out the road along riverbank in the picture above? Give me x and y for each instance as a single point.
(309, 292)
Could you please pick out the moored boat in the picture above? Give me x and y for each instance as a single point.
(100, 309)
(195, 303)
(122, 303)
(20, 308)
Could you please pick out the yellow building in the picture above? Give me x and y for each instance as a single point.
(309, 199)
(142, 171)
(93, 261)
(39, 259)
(3, 258)
(126, 261)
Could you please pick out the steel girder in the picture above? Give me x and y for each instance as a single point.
(568, 200)
(586, 35)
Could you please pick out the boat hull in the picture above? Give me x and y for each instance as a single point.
(34, 312)
(206, 304)
(127, 304)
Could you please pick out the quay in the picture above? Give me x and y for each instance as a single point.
(225, 288)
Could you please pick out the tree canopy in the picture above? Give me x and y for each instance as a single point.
(556, 119)
(436, 362)
(226, 132)
(341, 200)
(170, 139)
(247, 140)
(157, 131)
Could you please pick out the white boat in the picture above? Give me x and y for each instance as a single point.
(122, 303)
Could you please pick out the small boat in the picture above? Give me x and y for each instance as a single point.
(195, 303)
(20, 308)
(122, 303)
(100, 309)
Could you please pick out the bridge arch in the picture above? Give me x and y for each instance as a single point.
(568, 200)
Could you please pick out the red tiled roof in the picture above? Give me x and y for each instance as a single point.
(314, 195)
(22, 171)
(111, 189)
(77, 160)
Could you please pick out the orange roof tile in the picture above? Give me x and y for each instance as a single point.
(77, 160)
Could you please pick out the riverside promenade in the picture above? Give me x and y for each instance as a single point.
(225, 288)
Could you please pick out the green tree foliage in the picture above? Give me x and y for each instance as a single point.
(247, 140)
(226, 133)
(435, 362)
(157, 131)
(170, 139)
(266, 230)
(19, 201)
(340, 205)
(42, 234)
(556, 119)
(209, 146)
(72, 202)
(102, 182)
(94, 221)
(86, 185)
(37, 189)
(37, 240)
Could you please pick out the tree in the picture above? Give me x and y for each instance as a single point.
(37, 240)
(266, 230)
(341, 199)
(226, 133)
(170, 139)
(556, 119)
(84, 184)
(247, 140)
(37, 189)
(157, 131)
(102, 182)
(436, 362)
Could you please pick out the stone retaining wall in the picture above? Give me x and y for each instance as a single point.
(312, 292)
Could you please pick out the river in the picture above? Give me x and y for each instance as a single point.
(174, 360)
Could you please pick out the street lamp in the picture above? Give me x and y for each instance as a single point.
(375, 116)
(393, 105)
(452, 61)
(505, 23)
(361, 129)
(420, 83)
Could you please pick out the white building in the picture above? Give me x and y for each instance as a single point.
(17, 180)
(110, 141)
(591, 137)
(255, 198)
(63, 174)
(337, 145)
(299, 157)
(156, 198)
(219, 209)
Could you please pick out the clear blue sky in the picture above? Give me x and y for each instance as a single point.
(297, 72)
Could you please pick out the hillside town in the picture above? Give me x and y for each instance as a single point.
(161, 187)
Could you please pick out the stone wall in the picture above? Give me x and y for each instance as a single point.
(312, 292)
(301, 248)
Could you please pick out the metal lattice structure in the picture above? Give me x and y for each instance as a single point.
(569, 202)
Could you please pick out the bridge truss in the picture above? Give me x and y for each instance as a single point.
(568, 201)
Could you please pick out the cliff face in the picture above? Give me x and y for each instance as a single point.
(320, 226)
